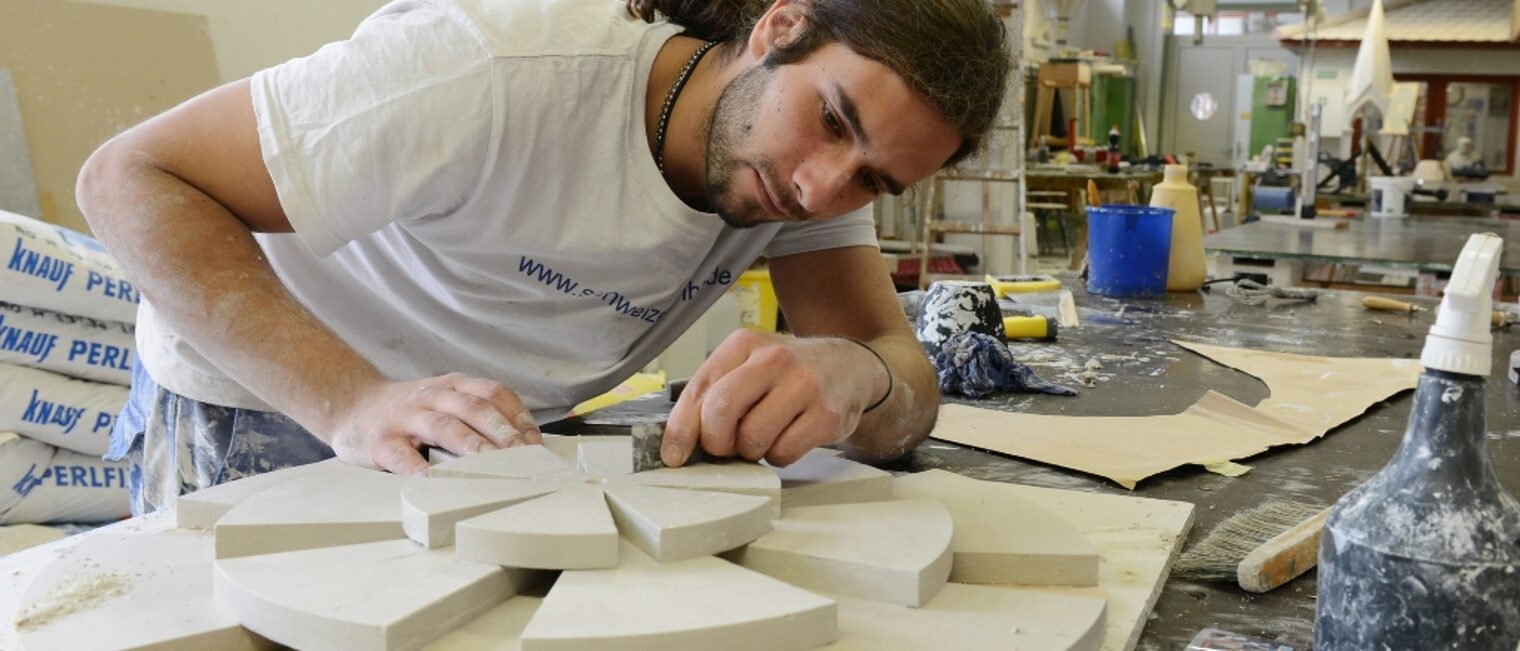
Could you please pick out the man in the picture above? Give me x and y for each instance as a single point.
(476, 208)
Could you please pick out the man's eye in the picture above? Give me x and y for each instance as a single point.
(832, 122)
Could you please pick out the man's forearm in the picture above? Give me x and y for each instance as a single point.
(908, 415)
(202, 270)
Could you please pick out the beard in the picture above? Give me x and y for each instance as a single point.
(732, 120)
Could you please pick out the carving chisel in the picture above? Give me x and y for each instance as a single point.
(1391, 305)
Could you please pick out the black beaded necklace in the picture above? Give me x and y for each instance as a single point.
(670, 103)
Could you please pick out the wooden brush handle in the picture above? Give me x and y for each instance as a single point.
(1387, 304)
(1283, 558)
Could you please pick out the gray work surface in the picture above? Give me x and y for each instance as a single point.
(1427, 244)
(1144, 374)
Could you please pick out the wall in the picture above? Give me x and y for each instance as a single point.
(250, 35)
(1099, 24)
(84, 72)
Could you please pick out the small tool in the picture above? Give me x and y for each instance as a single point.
(647, 440)
(1260, 549)
(674, 389)
(1030, 327)
(1390, 305)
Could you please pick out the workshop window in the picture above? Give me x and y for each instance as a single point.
(1452, 107)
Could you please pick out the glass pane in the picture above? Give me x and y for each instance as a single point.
(1478, 112)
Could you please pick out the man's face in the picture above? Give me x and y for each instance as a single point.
(819, 138)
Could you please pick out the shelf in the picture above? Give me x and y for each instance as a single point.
(982, 175)
(979, 229)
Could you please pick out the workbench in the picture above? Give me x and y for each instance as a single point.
(1421, 246)
(1159, 378)
(1144, 374)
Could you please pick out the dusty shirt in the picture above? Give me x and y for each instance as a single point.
(471, 190)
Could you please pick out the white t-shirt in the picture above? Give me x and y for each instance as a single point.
(471, 190)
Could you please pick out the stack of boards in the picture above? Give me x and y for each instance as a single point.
(562, 547)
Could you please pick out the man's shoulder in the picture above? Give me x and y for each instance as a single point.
(546, 28)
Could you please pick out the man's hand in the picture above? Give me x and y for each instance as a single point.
(765, 396)
(385, 423)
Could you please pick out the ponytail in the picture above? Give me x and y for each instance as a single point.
(709, 20)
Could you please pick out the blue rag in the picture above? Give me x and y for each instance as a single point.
(974, 365)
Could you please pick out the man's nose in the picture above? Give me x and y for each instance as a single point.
(823, 180)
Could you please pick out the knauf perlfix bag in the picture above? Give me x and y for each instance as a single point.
(57, 269)
(40, 483)
(58, 410)
(75, 346)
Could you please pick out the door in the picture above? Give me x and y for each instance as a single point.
(1205, 79)
(1213, 68)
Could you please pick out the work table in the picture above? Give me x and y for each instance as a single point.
(1159, 378)
(1144, 374)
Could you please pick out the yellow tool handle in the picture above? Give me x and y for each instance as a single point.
(1283, 558)
(1388, 305)
(1028, 327)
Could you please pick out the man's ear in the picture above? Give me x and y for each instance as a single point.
(781, 25)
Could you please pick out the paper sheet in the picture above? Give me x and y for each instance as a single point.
(1309, 396)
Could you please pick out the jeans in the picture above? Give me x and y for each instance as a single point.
(177, 445)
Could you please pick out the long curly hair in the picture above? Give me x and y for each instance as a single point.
(952, 53)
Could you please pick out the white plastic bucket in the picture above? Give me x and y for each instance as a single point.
(1389, 196)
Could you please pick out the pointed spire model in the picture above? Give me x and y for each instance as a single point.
(1372, 76)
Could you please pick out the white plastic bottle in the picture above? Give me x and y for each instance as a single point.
(1185, 271)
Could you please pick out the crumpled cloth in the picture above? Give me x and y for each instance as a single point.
(975, 365)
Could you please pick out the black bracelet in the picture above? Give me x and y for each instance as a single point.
(884, 366)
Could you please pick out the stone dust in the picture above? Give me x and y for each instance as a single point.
(77, 593)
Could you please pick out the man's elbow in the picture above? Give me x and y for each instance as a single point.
(105, 174)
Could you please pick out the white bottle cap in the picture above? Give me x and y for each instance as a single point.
(1460, 341)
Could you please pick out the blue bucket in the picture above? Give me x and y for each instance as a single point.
(1129, 247)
